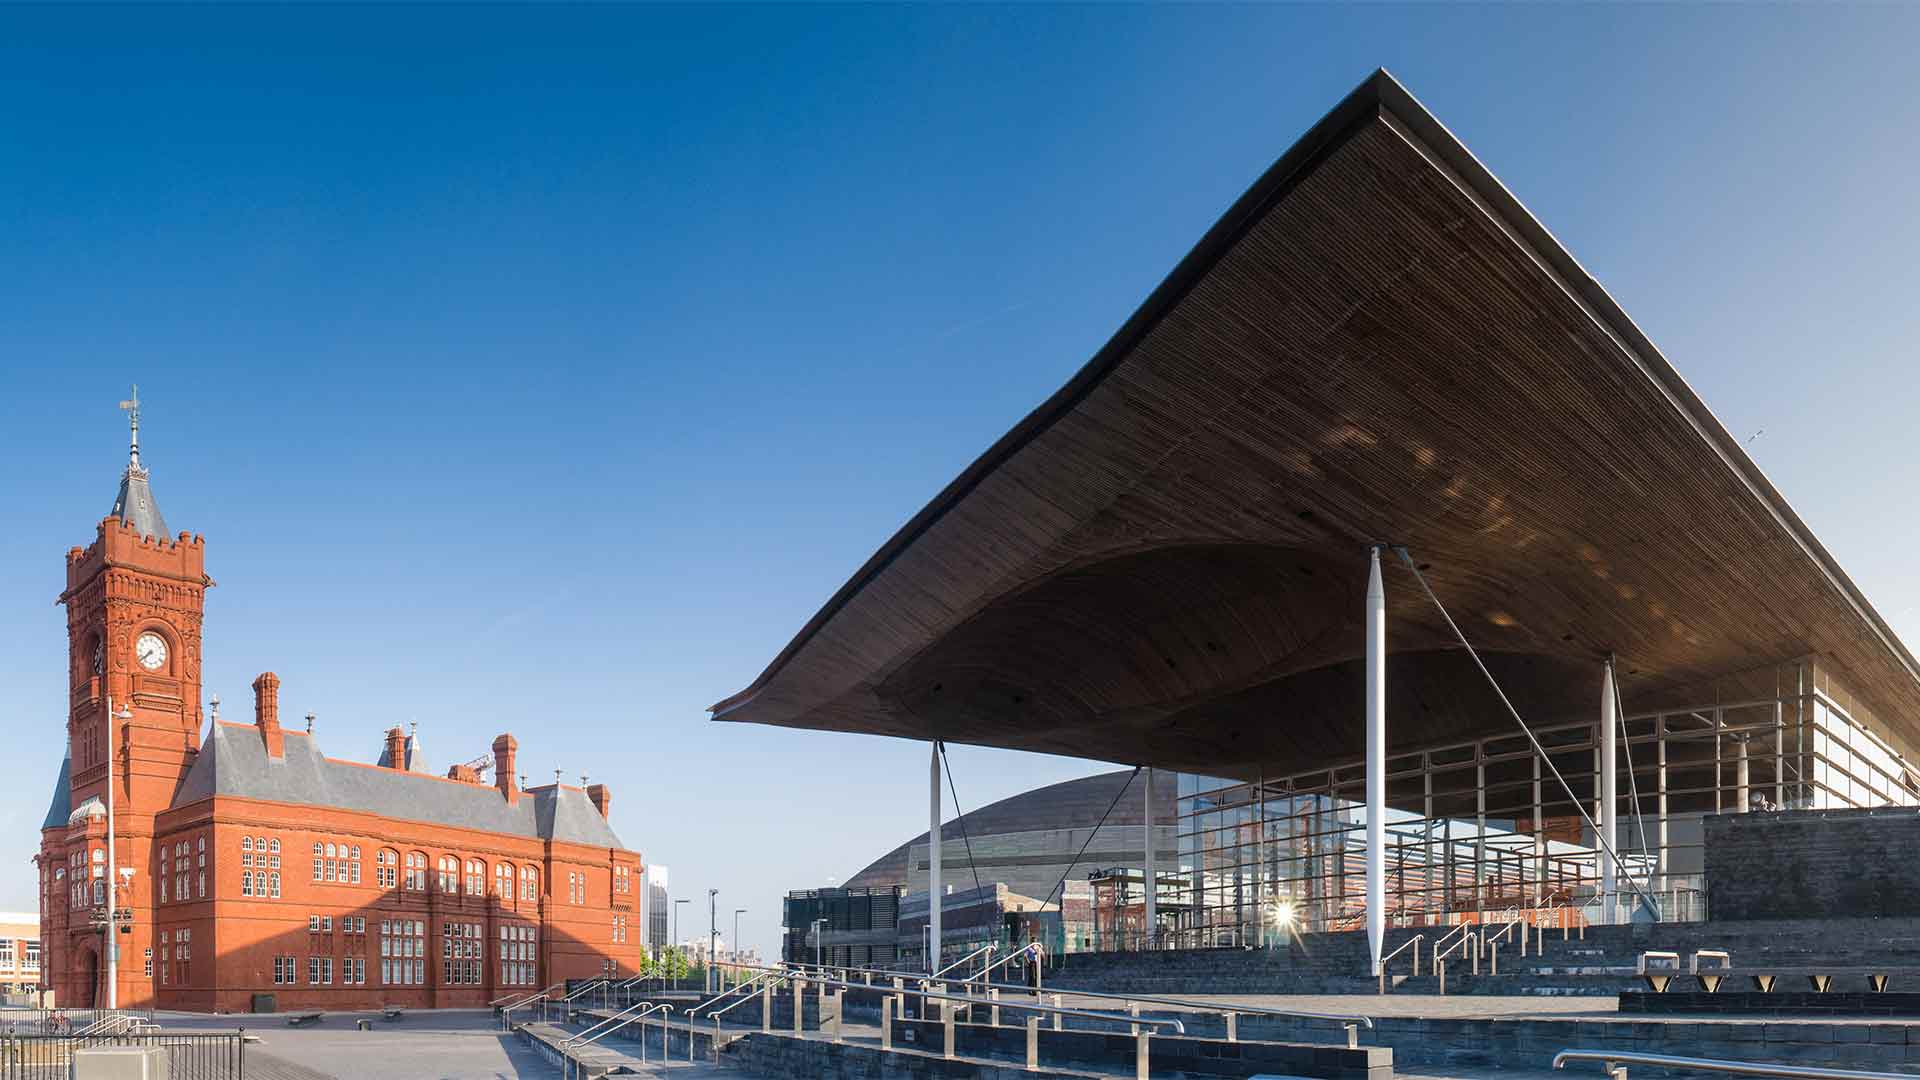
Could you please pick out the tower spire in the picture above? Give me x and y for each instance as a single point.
(132, 406)
(135, 506)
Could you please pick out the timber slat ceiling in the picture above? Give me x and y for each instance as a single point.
(1164, 563)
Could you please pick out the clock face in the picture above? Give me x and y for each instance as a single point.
(151, 650)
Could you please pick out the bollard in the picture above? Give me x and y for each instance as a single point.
(799, 1005)
(1140, 1071)
(1133, 1009)
(886, 1023)
(766, 1008)
(1056, 1016)
(1033, 1043)
(1440, 969)
(946, 1023)
(1495, 969)
(1476, 953)
(1233, 1027)
(1353, 1036)
(1523, 940)
(837, 1012)
(993, 1011)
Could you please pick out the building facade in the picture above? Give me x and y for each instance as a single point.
(19, 952)
(248, 870)
(658, 906)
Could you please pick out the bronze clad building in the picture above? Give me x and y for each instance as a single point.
(1166, 563)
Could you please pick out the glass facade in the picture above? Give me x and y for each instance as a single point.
(1485, 828)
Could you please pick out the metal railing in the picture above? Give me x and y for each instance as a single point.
(953, 1004)
(1466, 942)
(1016, 954)
(1616, 1062)
(544, 997)
(592, 1035)
(191, 1055)
(966, 960)
(1350, 1021)
(1414, 942)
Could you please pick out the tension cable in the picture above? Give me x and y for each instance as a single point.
(1606, 842)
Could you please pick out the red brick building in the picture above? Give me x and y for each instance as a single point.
(261, 866)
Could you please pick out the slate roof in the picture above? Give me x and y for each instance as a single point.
(234, 761)
(135, 506)
(416, 759)
(62, 804)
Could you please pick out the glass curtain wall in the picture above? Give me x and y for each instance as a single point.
(1482, 830)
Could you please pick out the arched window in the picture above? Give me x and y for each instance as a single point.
(319, 861)
(476, 878)
(529, 883)
(386, 868)
(273, 845)
(246, 844)
(503, 880)
(416, 871)
(246, 883)
(449, 874)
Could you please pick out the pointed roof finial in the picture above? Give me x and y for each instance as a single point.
(309, 723)
(132, 406)
(134, 506)
(215, 702)
(556, 778)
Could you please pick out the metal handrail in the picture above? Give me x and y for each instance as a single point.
(1030, 947)
(967, 959)
(533, 997)
(1202, 1006)
(724, 994)
(581, 1037)
(1414, 942)
(1464, 930)
(1615, 1063)
(1051, 1010)
(767, 989)
(591, 985)
(646, 1009)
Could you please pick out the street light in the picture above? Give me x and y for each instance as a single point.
(676, 934)
(737, 912)
(113, 893)
(713, 933)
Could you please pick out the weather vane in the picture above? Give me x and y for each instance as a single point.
(132, 406)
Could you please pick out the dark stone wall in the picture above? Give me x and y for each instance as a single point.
(1813, 864)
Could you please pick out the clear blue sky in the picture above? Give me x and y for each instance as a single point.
(544, 369)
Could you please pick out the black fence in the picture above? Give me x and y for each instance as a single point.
(191, 1055)
(33, 1020)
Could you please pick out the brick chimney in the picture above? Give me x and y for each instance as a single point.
(396, 754)
(504, 748)
(602, 798)
(266, 712)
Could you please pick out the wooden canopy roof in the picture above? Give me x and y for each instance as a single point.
(1164, 563)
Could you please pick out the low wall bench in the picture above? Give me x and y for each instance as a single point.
(1820, 979)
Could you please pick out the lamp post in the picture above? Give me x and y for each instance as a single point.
(676, 934)
(713, 933)
(113, 943)
(737, 912)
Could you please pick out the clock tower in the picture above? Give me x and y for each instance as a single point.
(134, 600)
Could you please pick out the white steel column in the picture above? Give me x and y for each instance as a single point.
(933, 862)
(1150, 882)
(1660, 743)
(1742, 776)
(1609, 797)
(1376, 759)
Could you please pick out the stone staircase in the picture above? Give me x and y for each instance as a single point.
(1603, 963)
